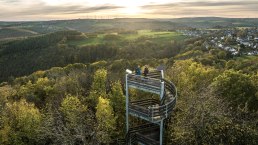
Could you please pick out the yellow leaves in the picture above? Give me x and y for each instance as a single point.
(6, 91)
(74, 111)
(39, 73)
(192, 75)
(117, 93)
(4, 133)
(42, 81)
(24, 113)
(237, 88)
(21, 119)
(99, 82)
(106, 120)
(104, 109)
(98, 87)
(189, 54)
(72, 107)
(98, 64)
(41, 84)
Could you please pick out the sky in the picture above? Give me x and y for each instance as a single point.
(27, 10)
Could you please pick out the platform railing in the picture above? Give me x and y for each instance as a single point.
(158, 111)
(134, 134)
(151, 110)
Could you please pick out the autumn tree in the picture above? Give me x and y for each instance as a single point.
(77, 119)
(37, 91)
(5, 92)
(106, 121)
(117, 101)
(98, 87)
(195, 103)
(192, 76)
(21, 123)
(237, 88)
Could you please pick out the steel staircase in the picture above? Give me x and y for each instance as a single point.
(151, 110)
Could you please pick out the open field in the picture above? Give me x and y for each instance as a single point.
(154, 36)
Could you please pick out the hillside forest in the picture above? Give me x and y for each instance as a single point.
(68, 88)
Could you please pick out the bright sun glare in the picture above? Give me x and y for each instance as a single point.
(131, 10)
(129, 7)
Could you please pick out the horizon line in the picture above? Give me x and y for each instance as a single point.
(113, 18)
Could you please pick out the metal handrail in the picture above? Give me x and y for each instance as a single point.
(132, 135)
(151, 110)
(161, 111)
(140, 76)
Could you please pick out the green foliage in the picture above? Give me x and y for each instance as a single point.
(222, 55)
(106, 121)
(117, 101)
(117, 97)
(77, 118)
(21, 123)
(5, 92)
(190, 54)
(218, 131)
(66, 47)
(191, 75)
(64, 121)
(227, 132)
(247, 64)
(17, 56)
(237, 88)
(195, 102)
(36, 92)
(12, 32)
(78, 104)
(73, 109)
(201, 116)
(98, 87)
(112, 37)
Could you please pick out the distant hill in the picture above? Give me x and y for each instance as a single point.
(14, 32)
(209, 22)
(20, 57)
(98, 25)
(25, 56)
(45, 44)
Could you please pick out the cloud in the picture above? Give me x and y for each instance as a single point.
(75, 9)
(9, 1)
(39, 9)
(69, 9)
(202, 4)
(208, 8)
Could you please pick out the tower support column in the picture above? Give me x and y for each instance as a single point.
(127, 104)
(161, 132)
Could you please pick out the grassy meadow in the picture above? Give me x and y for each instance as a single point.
(154, 36)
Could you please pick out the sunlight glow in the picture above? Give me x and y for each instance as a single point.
(131, 10)
(70, 9)
(130, 7)
(65, 2)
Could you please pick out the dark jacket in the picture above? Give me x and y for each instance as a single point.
(146, 71)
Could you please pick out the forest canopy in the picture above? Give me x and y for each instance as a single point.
(56, 90)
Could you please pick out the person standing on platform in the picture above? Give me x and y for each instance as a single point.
(146, 71)
(138, 70)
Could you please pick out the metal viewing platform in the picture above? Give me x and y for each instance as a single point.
(154, 111)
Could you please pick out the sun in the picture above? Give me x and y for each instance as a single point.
(131, 10)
